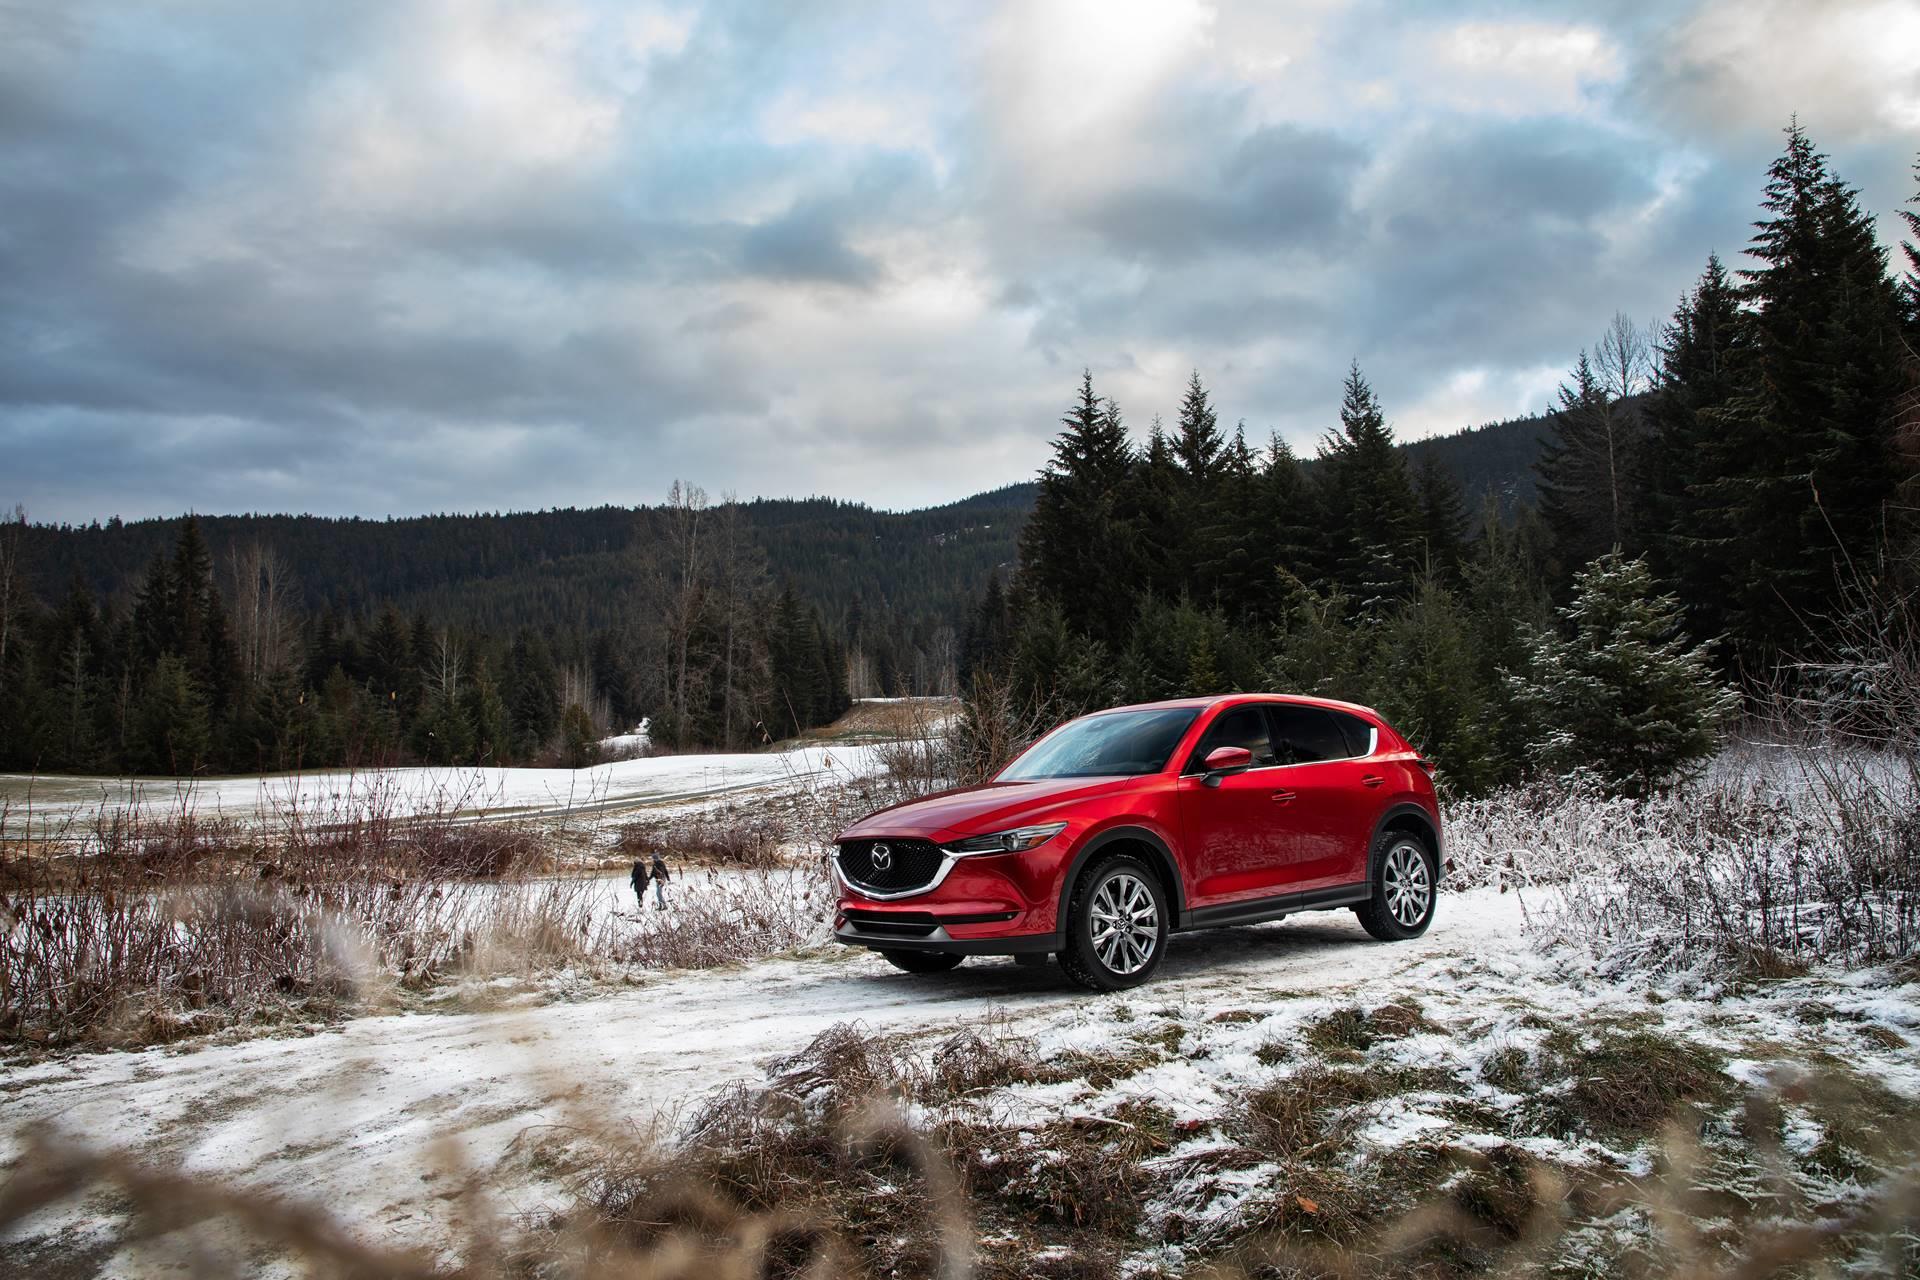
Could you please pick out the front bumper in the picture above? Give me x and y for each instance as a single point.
(981, 904)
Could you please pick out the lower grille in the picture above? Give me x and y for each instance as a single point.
(890, 866)
(902, 924)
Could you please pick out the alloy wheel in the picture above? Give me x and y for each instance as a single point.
(1408, 884)
(1126, 923)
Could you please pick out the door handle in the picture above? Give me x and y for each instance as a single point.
(1281, 797)
(1371, 780)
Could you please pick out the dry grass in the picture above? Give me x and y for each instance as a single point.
(146, 926)
(815, 1172)
(727, 839)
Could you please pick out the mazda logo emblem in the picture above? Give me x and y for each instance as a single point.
(882, 857)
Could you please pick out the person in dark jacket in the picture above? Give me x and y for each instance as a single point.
(640, 880)
(660, 879)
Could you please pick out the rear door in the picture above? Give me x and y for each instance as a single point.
(1336, 795)
(1235, 831)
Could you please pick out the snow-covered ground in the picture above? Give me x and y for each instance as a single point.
(378, 1119)
(52, 805)
(365, 1119)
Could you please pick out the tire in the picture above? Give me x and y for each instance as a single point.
(1406, 883)
(923, 961)
(1119, 888)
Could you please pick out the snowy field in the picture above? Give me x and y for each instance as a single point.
(50, 806)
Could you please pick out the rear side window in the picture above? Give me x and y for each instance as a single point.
(1303, 735)
(1236, 727)
(1358, 733)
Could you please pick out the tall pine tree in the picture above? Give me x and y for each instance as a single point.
(1371, 511)
(1802, 449)
(1074, 547)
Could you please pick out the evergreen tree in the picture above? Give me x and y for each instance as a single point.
(1695, 381)
(532, 696)
(171, 735)
(1623, 696)
(1057, 673)
(484, 710)
(1074, 547)
(1151, 508)
(1370, 505)
(988, 644)
(579, 740)
(1507, 603)
(1443, 519)
(1802, 455)
(1577, 492)
(1198, 446)
(1429, 685)
(1910, 282)
(1295, 524)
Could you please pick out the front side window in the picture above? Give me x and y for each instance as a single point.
(1236, 727)
(1113, 744)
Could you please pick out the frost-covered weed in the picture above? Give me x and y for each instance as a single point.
(1802, 857)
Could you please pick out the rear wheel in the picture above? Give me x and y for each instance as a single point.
(1404, 889)
(923, 961)
(1116, 926)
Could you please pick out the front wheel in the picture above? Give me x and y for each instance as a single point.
(923, 961)
(1404, 881)
(1116, 926)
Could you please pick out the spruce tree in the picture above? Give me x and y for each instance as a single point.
(1429, 685)
(1073, 547)
(1683, 457)
(1197, 443)
(1371, 511)
(1910, 282)
(1622, 695)
(1803, 448)
(1443, 520)
(171, 734)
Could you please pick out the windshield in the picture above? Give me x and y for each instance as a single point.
(1113, 744)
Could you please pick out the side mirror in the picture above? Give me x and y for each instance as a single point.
(1224, 760)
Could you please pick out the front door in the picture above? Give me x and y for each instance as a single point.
(1237, 829)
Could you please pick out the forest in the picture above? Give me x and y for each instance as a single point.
(1710, 498)
(1724, 501)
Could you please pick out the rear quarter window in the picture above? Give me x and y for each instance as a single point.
(1358, 733)
(1304, 735)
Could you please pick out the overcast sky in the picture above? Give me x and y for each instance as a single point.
(383, 258)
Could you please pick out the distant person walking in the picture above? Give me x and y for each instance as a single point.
(660, 878)
(640, 880)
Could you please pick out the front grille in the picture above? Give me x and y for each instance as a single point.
(911, 864)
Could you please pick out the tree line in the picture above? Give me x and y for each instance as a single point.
(1710, 490)
(216, 665)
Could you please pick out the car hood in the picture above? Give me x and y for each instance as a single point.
(989, 807)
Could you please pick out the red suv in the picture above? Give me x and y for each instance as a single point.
(1121, 827)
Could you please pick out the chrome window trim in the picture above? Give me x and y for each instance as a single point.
(1373, 745)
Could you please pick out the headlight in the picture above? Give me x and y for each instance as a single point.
(1018, 840)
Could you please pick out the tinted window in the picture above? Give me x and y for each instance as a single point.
(1237, 727)
(1359, 733)
(1116, 744)
(1302, 735)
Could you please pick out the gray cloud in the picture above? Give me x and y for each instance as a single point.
(375, 257)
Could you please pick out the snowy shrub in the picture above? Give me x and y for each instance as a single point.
(1782, 859)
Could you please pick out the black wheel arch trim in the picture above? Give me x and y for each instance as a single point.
(1428, 824)
(1117, 835)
